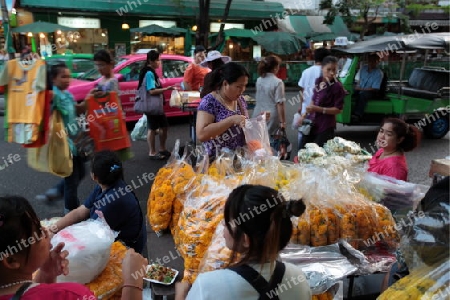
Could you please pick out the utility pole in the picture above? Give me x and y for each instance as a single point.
(7, 29)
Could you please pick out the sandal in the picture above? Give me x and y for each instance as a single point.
(157, 156)
(165, 153)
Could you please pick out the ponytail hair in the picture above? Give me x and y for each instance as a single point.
(268, 65)
(410, 133)
(263, 215)
(229, 72)
(107, 167)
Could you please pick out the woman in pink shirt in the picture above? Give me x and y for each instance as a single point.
(394, 139)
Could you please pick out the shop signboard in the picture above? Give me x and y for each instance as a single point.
(79, 22)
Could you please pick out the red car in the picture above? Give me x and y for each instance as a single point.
(127, 72)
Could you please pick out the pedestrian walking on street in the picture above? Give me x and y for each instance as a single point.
(104, 62)
(327, 102)
(63, 101)
(307, 83)
(153, 85)
(270, 95)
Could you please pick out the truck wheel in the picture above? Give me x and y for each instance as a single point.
(438, 128)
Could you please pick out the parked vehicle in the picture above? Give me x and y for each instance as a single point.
(424, 99)
(77, 63)
(127, 72)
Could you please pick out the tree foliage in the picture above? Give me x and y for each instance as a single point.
(344, 8)
(203, 22)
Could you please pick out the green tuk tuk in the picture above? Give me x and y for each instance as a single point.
(78, 63)
(423, 100)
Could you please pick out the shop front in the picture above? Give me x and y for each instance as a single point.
(116, 18)
(164, 43)
(87, 38)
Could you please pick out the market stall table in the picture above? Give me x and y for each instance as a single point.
(192, 107)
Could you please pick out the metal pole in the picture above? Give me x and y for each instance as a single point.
(402, 71)
(7, 29)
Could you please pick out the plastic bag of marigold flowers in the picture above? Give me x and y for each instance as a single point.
(186, 182)
(203, 210)
(218, 255)
(170, 181)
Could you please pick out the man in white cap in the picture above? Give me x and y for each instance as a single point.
(213, 60)
(195, 73)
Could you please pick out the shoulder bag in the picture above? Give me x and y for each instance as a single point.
(147, 103)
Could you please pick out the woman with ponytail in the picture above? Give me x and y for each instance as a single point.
(270, 96)
(257, 227)
(113, 199)
(394, 138)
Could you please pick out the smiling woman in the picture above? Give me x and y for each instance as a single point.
(394, 139)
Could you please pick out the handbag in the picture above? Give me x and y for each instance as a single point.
(306, 127)
(281, 144)
(59, 156)
(147, 103)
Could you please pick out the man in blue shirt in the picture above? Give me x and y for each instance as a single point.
(368, 86)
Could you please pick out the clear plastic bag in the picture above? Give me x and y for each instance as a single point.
(335, 210)
(140, 129)
(257, 137)
(397, 195)
(295, 121)
(203, 211)
(426, 282)
(175, 99)
(89, 244)
(218, 255)
(323, 266)
(171, 181)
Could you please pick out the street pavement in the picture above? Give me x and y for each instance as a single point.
(17, 178)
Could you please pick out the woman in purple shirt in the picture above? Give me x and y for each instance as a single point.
(221, 113)
(327, 102)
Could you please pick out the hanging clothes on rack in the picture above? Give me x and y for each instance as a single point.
(25, 99)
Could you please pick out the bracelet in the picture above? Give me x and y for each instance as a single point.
(133, 286)
(324, 110)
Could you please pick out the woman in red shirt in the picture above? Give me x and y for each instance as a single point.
(394, 139)
(25, 247)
